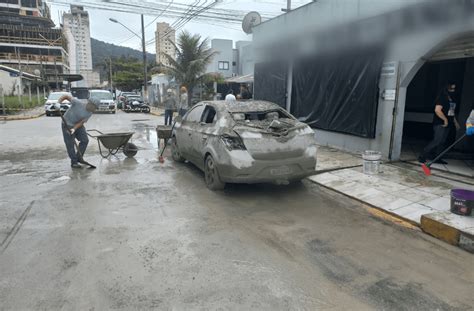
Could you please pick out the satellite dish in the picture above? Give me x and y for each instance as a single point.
(250, 20)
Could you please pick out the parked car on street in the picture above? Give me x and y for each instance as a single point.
(105, 98)
(52, 107)
(135, 103)
(247, 142)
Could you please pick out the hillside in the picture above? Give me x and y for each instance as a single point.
(102, 50)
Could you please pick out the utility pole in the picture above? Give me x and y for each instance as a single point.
(145, 71)
(110, 74)
(288, 6)
(142, 37)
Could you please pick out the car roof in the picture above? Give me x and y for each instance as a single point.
(243, 106)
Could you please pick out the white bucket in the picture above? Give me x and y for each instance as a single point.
(371, 163)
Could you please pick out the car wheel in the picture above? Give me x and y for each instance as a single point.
(211, 175)
(175, 154)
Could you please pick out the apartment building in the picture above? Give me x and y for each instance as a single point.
(164, 35)
(76, 28)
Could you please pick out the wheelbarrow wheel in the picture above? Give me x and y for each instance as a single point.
(130, 150)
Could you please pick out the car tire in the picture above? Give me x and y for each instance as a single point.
(211, 175)
(175, 154)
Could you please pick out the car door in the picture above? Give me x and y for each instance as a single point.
(203, 132)
(184, 134)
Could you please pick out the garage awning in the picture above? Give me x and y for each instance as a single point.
(240, 79)
(458, 48)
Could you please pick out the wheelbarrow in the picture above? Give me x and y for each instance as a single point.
(163, 132)
(114, 142)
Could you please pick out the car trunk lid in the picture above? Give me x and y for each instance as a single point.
(275, 139)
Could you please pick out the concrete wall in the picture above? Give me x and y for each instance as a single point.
(9, 84)
(406, 52)
(324, 14)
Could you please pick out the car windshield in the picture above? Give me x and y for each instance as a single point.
(55, 96)
(101, 95)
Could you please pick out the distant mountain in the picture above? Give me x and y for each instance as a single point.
(102, 50)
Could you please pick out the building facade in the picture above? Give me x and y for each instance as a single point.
(365, 73)
(76, 28)
(165, 37)
(30, 42)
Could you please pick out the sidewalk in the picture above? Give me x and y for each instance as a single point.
(25, 115)
(401, 190)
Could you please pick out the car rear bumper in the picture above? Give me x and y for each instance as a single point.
(261, 171)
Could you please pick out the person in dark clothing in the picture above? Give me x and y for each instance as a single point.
(444, 120)
(244, 93)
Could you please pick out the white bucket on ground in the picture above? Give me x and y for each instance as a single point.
(371, 163)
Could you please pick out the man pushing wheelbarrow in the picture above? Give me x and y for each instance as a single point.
(73, 128)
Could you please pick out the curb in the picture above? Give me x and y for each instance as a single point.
(428, 225)
(381, 213)
(18, 118)
(447, 233)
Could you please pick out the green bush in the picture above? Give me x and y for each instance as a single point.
(13, 102)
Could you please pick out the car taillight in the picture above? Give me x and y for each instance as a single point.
(233, 142)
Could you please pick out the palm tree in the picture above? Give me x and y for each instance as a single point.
(192, 57)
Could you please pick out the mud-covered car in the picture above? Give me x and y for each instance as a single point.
(244, 142)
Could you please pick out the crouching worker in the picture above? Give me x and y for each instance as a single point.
(75, 117)
(470, 124)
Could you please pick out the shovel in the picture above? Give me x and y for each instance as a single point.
(81, 159)
(426, 166)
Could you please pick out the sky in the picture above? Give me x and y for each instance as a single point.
(104, 30)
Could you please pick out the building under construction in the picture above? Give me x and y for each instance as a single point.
(30, 42)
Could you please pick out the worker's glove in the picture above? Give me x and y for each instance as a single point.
(72, 131)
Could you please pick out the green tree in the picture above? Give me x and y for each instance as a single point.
(192, 57)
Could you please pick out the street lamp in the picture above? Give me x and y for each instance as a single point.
(142, 37)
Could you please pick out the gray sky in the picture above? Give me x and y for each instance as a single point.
(104, 30)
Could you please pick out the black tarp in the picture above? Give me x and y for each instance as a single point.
(338, 92)
(270, 82)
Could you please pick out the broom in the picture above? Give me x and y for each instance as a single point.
(426, 166)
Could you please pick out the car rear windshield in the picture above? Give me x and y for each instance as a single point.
(260, 115)
(101, 95)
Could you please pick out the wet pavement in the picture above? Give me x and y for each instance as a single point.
(137, 234)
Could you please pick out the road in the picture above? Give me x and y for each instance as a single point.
(137, 234)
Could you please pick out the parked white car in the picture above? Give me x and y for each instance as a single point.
(52, 107)
(105, 98)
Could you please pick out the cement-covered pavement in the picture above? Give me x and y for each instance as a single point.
(137, 234)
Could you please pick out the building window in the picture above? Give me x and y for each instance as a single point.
(234, 64)
(223, 65)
